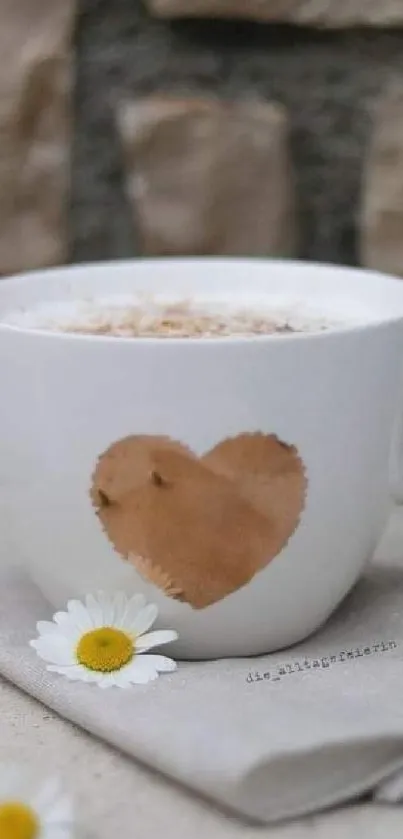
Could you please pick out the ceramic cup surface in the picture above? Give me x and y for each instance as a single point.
(241, 483)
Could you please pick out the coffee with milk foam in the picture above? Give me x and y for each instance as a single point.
(145, 317)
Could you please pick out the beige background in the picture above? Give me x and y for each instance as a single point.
(117, 797)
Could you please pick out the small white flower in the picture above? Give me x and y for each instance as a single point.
(32, 809)
(105, 641)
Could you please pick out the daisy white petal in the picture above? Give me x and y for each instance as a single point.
(140, 672)
(155, 639)
(47, 628)
(61, 618)
(121, 680)
(79, 614)
(162, 663)
(53, 649)
(95, 610)
(66, 624)
(144, 619)
(106, 603)
(84, 675)
(134, 606)
(106, 680)
(119, 606)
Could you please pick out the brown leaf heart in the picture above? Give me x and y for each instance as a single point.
(199, 528)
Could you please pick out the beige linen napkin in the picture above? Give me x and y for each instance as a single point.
(269, 738)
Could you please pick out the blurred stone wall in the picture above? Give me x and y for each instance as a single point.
(327, 65)
(36, 123)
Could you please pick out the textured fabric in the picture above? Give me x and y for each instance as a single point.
(269, 738)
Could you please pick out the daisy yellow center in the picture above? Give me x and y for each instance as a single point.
(17, 821)
(105, 650)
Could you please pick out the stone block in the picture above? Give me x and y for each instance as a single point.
(35, 120)
(209, 177)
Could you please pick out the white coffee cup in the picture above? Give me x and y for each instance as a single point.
(258, 466)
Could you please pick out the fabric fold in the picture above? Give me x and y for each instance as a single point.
(270, 738)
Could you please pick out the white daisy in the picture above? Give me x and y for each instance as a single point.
(105, 641)
(33, 810)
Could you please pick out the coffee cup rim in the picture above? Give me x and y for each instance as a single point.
(389, 282)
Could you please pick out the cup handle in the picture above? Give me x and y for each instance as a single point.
(396, 462)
